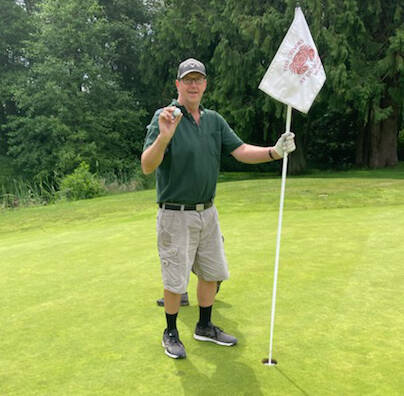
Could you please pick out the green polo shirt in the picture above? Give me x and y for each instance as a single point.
(188, 173)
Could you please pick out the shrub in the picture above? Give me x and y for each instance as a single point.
(81, 184)
(144, 182)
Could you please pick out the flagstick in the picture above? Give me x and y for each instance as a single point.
(278, 239)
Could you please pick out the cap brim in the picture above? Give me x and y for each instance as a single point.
(191, 71)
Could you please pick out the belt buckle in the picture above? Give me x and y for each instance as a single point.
(199, 207)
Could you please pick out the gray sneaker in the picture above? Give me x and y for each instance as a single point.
(214, 334)
(172, 345)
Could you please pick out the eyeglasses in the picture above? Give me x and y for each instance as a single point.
(197, 81)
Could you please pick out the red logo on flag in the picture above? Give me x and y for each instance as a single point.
(299, 62)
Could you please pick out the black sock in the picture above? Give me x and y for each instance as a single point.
(204, 316)
(171, 321)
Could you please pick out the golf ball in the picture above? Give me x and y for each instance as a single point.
(176, 112)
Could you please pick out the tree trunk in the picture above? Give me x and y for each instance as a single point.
(296, 160)
(377, 142)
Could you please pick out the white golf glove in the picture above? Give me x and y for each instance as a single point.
(285, 144)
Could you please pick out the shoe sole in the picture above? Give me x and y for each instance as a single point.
(202, 338)
(170, 354)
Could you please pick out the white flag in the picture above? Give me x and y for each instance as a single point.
(296, 74)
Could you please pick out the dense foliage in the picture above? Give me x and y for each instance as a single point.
(359, 112)
(71, 104)
(81, 79)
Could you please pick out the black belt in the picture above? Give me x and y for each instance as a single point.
(198, 207)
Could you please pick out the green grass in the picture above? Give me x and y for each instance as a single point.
(79, 282)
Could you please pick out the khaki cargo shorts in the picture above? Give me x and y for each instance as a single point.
(190, 241)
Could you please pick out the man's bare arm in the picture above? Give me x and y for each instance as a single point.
(153, 155)
(250, 154)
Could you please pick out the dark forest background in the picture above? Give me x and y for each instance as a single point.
(81, 79)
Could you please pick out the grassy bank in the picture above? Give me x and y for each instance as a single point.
(79, 283)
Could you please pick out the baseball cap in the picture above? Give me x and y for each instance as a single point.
(190, 65)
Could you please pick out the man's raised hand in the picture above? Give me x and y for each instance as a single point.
(168, 122)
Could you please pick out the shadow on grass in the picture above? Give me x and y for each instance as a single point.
(230, 375)
(221, 304)
(291, 381)
(225, 380)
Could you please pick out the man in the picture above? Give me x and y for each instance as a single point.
(186, 152)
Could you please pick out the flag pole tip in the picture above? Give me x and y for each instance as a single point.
(265, 361)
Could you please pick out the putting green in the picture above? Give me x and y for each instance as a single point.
(79, 282)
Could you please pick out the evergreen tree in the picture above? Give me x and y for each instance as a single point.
(180, 29)
(14, 29)
(361, 48)
(72, 107)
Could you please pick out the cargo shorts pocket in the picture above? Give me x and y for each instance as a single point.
(168, 255)
(166, 247)
(170, 269)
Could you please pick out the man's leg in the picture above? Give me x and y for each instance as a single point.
(171, 241)
(184, 300)
(210, 263)
(171, 342)
(171, 302)
(206, 292)
(205, 330)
